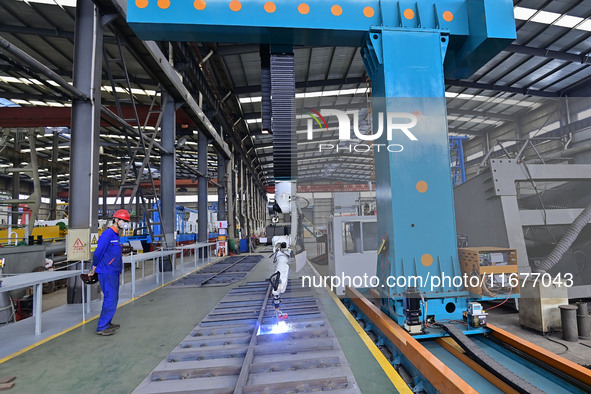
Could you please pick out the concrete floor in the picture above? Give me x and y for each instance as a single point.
(152, 325)
(79, 361)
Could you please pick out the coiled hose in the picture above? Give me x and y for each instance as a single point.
(566, 241)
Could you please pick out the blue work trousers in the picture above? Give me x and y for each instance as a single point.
(110, 288)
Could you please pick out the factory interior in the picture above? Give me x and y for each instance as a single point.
(350, 196)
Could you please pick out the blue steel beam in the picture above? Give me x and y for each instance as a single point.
(478, 29)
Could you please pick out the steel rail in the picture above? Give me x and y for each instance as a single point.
(439, 375)
(245, 370)
(222, 271)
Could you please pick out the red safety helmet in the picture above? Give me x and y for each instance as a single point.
(121, 214)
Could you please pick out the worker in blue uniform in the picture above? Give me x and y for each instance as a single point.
(107, 263)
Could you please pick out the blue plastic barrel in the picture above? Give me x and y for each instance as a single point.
(243, 245)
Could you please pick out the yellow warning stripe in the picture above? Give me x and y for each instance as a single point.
(41, 342)
(394, 377)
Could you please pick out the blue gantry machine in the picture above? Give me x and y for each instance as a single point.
(408, 48)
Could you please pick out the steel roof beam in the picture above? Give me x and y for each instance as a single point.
(583, 89)
(54, 33)
(155, 62)
(500, 88)
(40, 68)
(29, 96)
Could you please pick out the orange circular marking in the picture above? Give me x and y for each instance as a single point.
(426, 260)
(422, 186)
(448, 16)
(141, 3)
(418, 114)
(409, 14)
(235, 5)
(368, 12)
(270, 7)
(303, 8)
(164, 4)
(336, 10)
(200, 4)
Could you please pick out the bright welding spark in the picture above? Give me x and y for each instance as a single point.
(280, 328)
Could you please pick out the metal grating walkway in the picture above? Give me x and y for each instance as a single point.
(235, 349)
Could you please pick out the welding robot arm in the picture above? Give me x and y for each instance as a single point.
(279, 278)
(285, 247)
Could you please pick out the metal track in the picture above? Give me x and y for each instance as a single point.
(478, 355)
(499, 357)
(222, 273)
(234, 350)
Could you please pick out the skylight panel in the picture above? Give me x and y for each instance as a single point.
(523, 14)
(568, 21)
(545, 17)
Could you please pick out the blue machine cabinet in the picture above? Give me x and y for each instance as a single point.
(409, 48)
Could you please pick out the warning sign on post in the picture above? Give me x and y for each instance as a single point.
(78, 244)
(93, 241)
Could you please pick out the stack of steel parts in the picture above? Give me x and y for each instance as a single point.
(241, 347)
(224, 272)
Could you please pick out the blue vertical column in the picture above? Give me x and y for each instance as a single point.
(168, 171)
(413, 176)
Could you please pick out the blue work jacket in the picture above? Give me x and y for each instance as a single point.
(107, 256)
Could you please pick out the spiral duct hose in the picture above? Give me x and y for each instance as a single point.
(566, 241)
